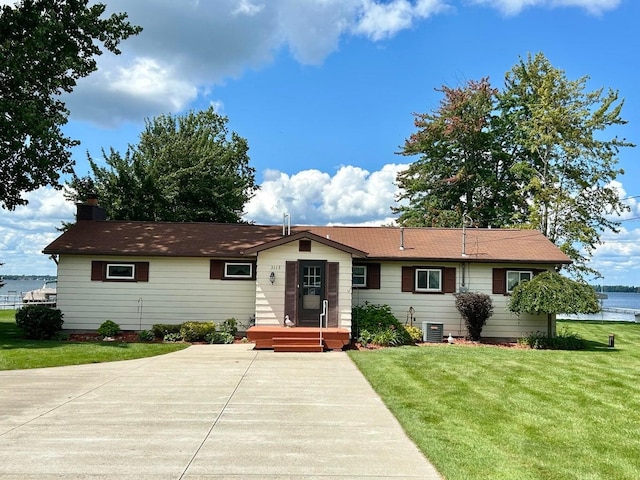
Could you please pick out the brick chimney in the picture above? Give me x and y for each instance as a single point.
(90, 210)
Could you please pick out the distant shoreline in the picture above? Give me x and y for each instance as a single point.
(28, 277)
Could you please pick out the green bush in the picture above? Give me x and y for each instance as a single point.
(172, 337)
(365, 338)
(219, 337)
(39, 322)
(160, 330)
(387, 337)
(376, 325)
(146, 335)
(196, 331)
(564, 340)
(108, 328)
(373, 318)
(230, 326)
(475, 308)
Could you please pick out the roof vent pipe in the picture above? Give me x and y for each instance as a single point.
(401, 238)
(286, 224)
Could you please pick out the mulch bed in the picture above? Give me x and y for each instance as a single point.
(126, 336)
(458, 341)
(129, 336)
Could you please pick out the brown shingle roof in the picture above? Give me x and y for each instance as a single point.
(226, 240)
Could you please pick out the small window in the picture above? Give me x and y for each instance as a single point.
(238, 270)
(514, 278)
(121, 271)
(359, 276)
(428, 280)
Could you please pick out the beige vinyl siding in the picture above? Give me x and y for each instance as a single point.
(438, 307)
(179, 289)
(270, 297)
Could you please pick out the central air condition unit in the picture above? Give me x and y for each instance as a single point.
(432, 332)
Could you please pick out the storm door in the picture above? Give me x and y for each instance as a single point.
(312, 292)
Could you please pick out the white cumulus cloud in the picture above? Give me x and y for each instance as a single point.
(352, 196)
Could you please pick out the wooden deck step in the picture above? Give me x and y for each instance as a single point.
(265, 336)
(298, 348)
(296, 344)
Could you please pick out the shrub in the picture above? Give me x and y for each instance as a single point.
(160, 330)
(108, 329)
(196, 331)
(230, 326)
(414, 333)
(373, 318)
(219, 337)
(386, 337)
(564, 340)
(365, 338)
(39, 322)
(172, 337)
(145, 335)
(475, 308)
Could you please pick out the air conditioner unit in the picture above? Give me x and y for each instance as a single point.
(432, 332)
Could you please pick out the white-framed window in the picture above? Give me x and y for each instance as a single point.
(238, 270)
(359, 276)
(515, 277)
(428, 280)
(121, 271)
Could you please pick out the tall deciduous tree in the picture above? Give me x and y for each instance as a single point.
(564, 155)
(45, 46)
(184, 169)
(534, 156)
(462, 168)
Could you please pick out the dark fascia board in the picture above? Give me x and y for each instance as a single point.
(306, 235)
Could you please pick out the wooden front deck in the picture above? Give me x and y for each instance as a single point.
(298, 339)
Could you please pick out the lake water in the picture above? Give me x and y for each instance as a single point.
(616, 307)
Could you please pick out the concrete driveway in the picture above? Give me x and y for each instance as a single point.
(207, 412)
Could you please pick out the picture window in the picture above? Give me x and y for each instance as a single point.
(238, 270)
(121, 271)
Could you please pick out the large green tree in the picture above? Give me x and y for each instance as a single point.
(184, 169)
(565, 155)
(462, 168)
(45, 46)
(534, 155)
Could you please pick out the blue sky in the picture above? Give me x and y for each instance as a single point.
(324, 90)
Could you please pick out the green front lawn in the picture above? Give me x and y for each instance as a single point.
(17, 353)
(495, 413)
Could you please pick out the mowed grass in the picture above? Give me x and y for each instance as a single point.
(494, 413)
(18, 353)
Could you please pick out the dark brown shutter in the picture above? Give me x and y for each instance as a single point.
(142, 271)
(333, 270)
(254, 268)
(373, 275)
(538, 271)
(291, 290)
(408, 280)
(449, 282)
(97, 271)
(499, 280)
(216, 269)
